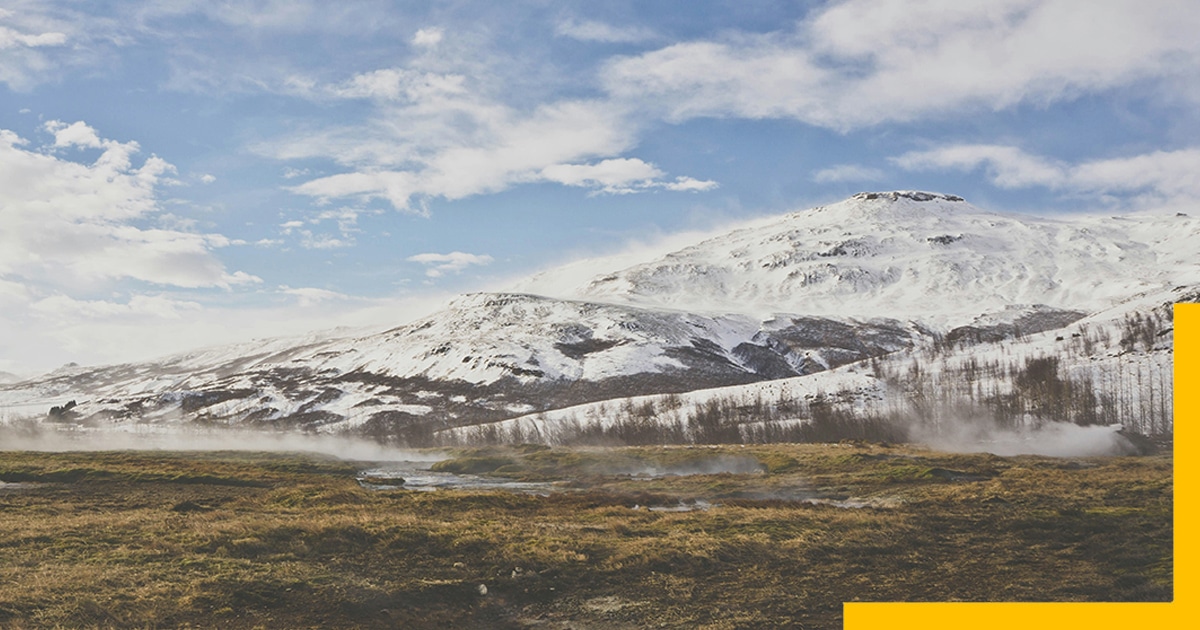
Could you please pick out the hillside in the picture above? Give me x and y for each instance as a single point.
(872, 283)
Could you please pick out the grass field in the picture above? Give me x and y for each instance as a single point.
(243, 540)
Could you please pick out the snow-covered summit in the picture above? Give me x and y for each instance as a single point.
(911, 255)
(896, 204)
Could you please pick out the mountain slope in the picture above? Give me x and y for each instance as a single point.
(1112, 368)
(483, 357)
(874, 275)
(927, 257)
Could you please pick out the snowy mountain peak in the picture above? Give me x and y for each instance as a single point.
(872, 207)
(929, 257)
(911, 195)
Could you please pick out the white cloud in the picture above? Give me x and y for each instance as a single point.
(592, 31)
(684, 183)
(1171, 174)
(13, 39)
(428, 37)
(848, 173)
(865, 62)
(61, 307)
(260, 15)
(345, 218)
(1159, 177)
(309, 240)
(434, 136)
(615, 175)
(76, 134)
(395, 84)
(70, 224)
(39, 39)
(454, 262)
(309, 296)
(1008, 167)
(621, 176)
(208, 178)
(26, 48)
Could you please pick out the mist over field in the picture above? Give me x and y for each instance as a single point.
(185, 439)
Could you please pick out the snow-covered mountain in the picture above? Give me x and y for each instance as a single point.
(911, 255)
(483, 357)
(1115, 364)
(874, 275)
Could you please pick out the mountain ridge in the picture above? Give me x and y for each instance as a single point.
(833, 285)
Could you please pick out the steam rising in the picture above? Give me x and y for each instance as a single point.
(183, 439)
(731, 464)
(1053, 439)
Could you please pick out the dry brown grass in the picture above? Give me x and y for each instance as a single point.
(149, 540)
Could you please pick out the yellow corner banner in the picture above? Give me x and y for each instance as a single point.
(1093, 616)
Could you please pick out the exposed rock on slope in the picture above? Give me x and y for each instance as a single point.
(865, 277)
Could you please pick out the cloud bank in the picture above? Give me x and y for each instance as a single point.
(862, 63)
(1157, 178)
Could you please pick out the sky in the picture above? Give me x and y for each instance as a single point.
(182, 173)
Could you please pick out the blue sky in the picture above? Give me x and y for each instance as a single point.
(177, 173)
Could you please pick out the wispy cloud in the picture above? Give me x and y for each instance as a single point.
(435, 136)
(454, 262)
(64, 308)
(1157, 177)
(620, 176)
(33, 40)
(309, 296)
(848, 173)
(593, 31)
(865, 62)
(428, 37)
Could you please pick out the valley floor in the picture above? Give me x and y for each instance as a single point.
(724, 537)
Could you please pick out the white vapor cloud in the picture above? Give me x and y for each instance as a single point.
(444, 128)
(77, 134)
(70, 224)
(1007, 166)
(64, 308)
(620, 176)
(612, 175)
(28, 40)
(347, 225)
(454, 262)
(848, 173)
(309, 296)
(436, 136)
(684, 183)
(1160, 177)
(865, 62)
(398, 84)
(592, 31)
(428, 37)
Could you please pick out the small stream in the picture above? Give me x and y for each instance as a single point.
(418, 476)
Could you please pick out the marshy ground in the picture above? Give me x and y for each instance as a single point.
(722, 537)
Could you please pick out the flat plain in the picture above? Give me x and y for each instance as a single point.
(679, 537)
